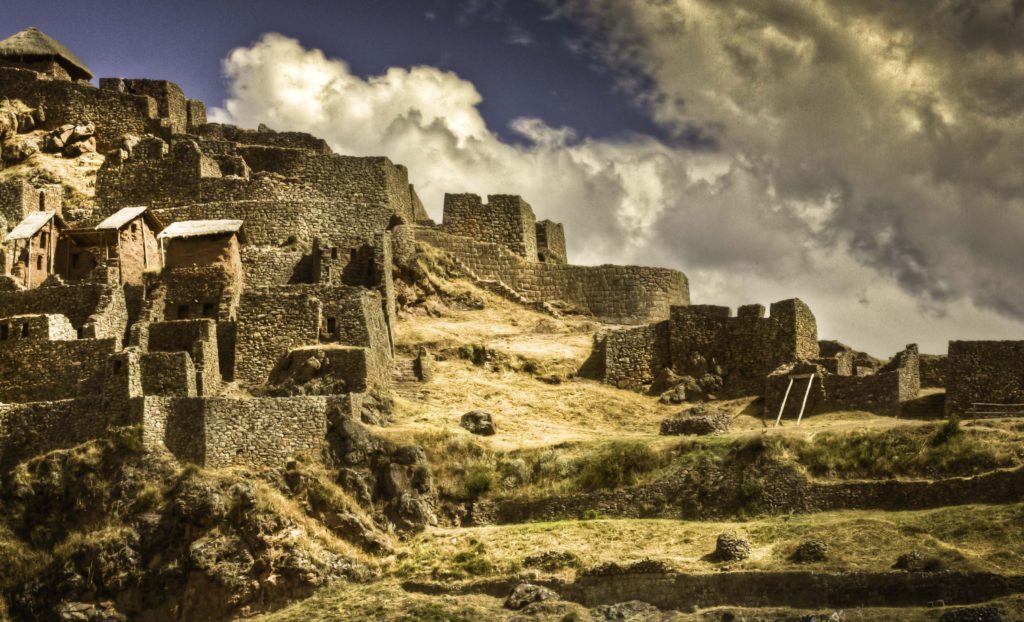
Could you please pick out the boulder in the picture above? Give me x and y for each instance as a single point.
(731, 547)
(19, 149)
(810, 551)
(526, 593)
(76, 149)
(699, 420)
(629, 611)
(478, 422)
(986, 613)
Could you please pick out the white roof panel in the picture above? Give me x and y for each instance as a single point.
(30, 225)
(121, 217)
(198, 228)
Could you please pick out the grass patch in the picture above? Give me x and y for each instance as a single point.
(619, 463)
(945, 450)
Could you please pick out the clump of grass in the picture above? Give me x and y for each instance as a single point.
(942, 451)
(469, 562)
(947, 431)
(619, 463)
(479, 480)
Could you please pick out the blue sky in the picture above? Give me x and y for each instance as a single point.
(518, 59)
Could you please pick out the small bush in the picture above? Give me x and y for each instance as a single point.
(947, 431)
(619, 463)
(479, 480)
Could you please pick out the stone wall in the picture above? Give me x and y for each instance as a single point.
(742, 349)
(220, 432)
(270, 323)
(883, 392)
(613, 294)
(505, 219)
(933, 370)
(551, 242)
(170, 100)
(31, 429)
(632, 357)
(113, 113)
(199, 339)
(267, 266)
(33, 371)
(37, 327)
(168, 373)
(988, 372)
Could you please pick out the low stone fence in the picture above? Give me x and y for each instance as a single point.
(796, 589)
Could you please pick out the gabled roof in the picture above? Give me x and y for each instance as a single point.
(30, 225)
(125, 215)
(34, 42)
(200, 228)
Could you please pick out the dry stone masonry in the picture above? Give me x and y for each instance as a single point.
(227, 289)
(232, 289)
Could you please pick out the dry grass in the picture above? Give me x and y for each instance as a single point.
(77, 175)
(977, 538)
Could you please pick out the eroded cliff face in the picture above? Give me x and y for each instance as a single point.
(107, 531)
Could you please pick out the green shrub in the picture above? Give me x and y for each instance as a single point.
(947, 431)
(620, 463)
(479, 480)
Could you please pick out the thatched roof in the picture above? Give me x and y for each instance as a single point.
(34, 42)
(30, 226)
(125, 215)
(202, 228)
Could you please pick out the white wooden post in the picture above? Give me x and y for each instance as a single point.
(804, 405)
(784, 398)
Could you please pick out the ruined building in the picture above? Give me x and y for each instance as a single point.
(229, 290)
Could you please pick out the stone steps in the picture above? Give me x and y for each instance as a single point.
(404, 380)
(502, 289)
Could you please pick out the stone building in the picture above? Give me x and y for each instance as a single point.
(833, 384)
(985, 378)
(705, 340)
(35, 50)
(125, 241)
(30, 248)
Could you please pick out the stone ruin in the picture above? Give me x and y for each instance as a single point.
(216, 261)
(229, 290)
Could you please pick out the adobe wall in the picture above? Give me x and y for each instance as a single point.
(743, 349)
(138, 252)
(505, 219)
(270, 323)
(632, 357)
(613, 294)
(984, 372)
(113, 113)
(98, 309)
(551, 242)
(33, 371)
(220, 432)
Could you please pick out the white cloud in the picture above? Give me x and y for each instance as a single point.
(767, 216)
